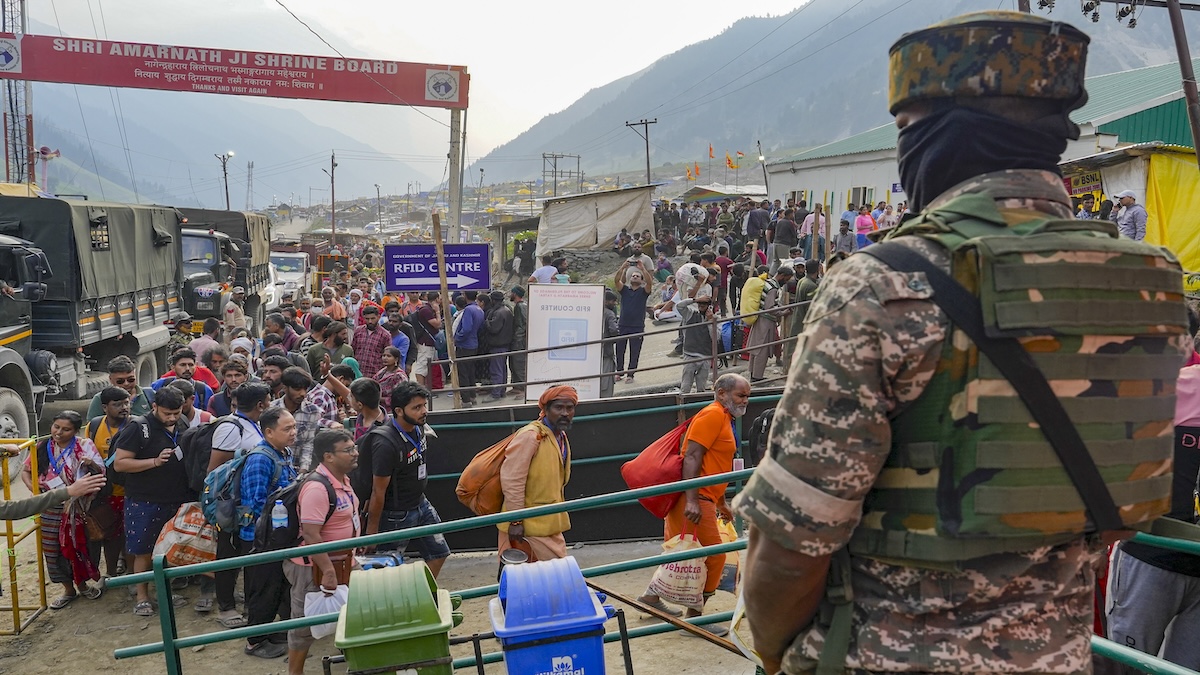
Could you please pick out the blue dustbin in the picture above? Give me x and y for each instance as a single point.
(548, 620)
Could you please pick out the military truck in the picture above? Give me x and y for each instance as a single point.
(223, 249)
(27, 375)
(115, 283)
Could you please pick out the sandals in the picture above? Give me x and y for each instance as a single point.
(143, 608)
(235, 620)
(93, 592)
(204, 605)
(62, 601)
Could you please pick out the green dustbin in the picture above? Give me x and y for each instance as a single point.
(397, 617)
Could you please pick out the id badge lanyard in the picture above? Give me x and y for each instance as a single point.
(421, 471)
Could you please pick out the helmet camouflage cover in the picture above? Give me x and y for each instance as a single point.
(984, 54)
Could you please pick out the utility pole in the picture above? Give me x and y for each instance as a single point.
(249, 186)
(332, 201)
(478, 197)
(224, 159)
(378, 209)
(530, 183)
(455, 173)
(645, 134)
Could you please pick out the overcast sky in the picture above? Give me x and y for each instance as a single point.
(526, 59)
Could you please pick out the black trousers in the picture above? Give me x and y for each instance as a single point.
(466, 372)
(268, 595)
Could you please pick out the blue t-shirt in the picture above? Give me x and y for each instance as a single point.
(633, 307)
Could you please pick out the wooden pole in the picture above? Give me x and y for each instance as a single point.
(440, 248)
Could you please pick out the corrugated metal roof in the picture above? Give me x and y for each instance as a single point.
(1110, 97)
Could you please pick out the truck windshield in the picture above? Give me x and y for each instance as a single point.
(286, 264)
(199, 250)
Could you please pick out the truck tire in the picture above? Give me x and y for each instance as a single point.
(146, 368)
(257, 317)
(14, 419)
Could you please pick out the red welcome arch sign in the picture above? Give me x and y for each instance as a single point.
(140, 65)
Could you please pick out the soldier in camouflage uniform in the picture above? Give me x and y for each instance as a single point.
(182, 337)
(987, 97)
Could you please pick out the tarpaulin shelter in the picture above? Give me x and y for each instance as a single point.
(717, 192)
(592, 220)
(1164, 179)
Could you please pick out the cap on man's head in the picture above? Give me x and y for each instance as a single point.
(183, 317)
(497, 296)
(1124, 193)
(989, 54)
(518, 291)
(238, 290)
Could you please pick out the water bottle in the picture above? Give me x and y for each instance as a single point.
(279, 515)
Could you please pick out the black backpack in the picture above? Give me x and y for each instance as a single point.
(362, 479)
(266, 537)
(759, 430)
(196, 444)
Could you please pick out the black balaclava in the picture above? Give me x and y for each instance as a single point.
(952, 144)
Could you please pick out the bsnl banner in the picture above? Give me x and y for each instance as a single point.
(137, 65)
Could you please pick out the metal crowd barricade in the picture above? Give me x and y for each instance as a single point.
(12, 538)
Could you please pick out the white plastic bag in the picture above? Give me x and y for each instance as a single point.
(739, 632)
(681, 583)
(318, 603)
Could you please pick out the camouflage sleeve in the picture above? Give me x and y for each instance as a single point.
(870, 344)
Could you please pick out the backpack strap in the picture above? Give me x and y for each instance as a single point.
(94, 425)
(1018, 367)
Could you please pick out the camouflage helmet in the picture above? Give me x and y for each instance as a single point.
(993, 53)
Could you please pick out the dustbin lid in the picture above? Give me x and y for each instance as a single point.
(545, 597)
(392, 603)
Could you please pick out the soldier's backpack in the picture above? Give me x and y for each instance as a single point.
(989, 459)
(1039, 309)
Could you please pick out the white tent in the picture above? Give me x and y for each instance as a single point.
(592, 220)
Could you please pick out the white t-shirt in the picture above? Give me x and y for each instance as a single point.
(242, 435)
(688, 275)
(545, 274)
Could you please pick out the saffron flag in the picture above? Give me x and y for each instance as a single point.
(710, 152)
(689, 173)
(697, 171)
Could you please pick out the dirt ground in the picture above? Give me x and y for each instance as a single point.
(87, 631)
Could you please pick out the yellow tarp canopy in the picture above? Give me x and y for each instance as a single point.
(20, 190)
(1172, 206)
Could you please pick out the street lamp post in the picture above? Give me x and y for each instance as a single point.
(378, 208)
(332, 201)
(224, 159)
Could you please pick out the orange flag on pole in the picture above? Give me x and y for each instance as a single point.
(689, 172)
(697, 171)
(710, 152)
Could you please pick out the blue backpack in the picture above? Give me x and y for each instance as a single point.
(221, 501)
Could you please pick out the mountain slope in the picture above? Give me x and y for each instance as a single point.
(820, 76)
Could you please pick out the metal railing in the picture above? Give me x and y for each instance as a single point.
(675, 327)
(161, 574)
(172, 643)
(13, 538)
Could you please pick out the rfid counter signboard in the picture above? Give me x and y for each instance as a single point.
(413, 267)
(560, 316)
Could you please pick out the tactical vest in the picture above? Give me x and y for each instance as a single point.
(969, 473)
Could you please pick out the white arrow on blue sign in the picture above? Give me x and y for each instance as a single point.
(413, 267)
